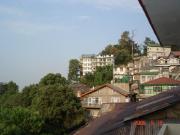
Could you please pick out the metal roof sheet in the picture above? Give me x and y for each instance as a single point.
(118, 117)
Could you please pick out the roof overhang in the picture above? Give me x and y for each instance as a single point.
(164, 18)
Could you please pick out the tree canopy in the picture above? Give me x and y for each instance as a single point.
(122, 51)
(102, 75)
(147, 41)
(47, 108)
(20, 121)
(52, 79)
(59, 107)
(74, 70)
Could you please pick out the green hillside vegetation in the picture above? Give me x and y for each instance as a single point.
(47, 108)
(123, 50)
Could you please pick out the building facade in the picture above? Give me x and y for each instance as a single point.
(120, 71)
(148, 76)
(141, 118)
(89, 63)
(155, 51)
(107, 93)
(157, 86)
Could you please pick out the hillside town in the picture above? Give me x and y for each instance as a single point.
(128, 87)
(143, 96)
(144, 76)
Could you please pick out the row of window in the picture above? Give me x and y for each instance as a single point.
(147, 78)
(105, 59)
(98, 100)
(156, 89)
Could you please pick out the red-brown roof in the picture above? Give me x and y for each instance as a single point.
(163, 80)
(117, 89)
(176, 53)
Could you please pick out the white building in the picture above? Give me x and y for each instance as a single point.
(155, 51)
(120, 71)
(90, 62)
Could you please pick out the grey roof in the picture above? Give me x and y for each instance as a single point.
(118, 117)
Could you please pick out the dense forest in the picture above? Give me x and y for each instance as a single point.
(47, 108)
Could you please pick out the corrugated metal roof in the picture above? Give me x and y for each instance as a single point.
(118, 117)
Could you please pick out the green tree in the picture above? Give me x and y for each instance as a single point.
(110, 49)
(47, 108)
(123, 57)
(2, 88)
(125, 42)
(28, 94)
(10, 87)
(102, 75)
(59, 107)
(74, 70)
(88, 79)
(20, 121)
(10, 94)
(123, 50)
(51, 79)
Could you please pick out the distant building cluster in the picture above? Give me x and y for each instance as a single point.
(143, 77)
(90, 62)
(144, 97)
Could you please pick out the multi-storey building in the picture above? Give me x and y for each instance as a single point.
(154, 51)
(86, 63)
(90, 62)
(93, 99)
(156, 86)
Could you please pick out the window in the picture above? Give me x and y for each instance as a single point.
(115, 99)
(157, 89)
(121, 69)
(94, 100)
(143, 78)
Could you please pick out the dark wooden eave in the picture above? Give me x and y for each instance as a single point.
(164, 18)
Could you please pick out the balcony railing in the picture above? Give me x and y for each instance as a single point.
(87, 105)
(166, 64)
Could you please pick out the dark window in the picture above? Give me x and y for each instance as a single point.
(157, 89)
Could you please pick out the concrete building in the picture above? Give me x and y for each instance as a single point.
(148, 75)
(91, 62)
(154, 51)
(120, 71)
(157, 86)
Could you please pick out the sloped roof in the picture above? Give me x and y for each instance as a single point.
(176, 53)
(117, 89)
(164, 18)
(118, 117)
(80, 87)
(163, 80)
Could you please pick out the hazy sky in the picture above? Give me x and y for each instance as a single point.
(40, 36)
